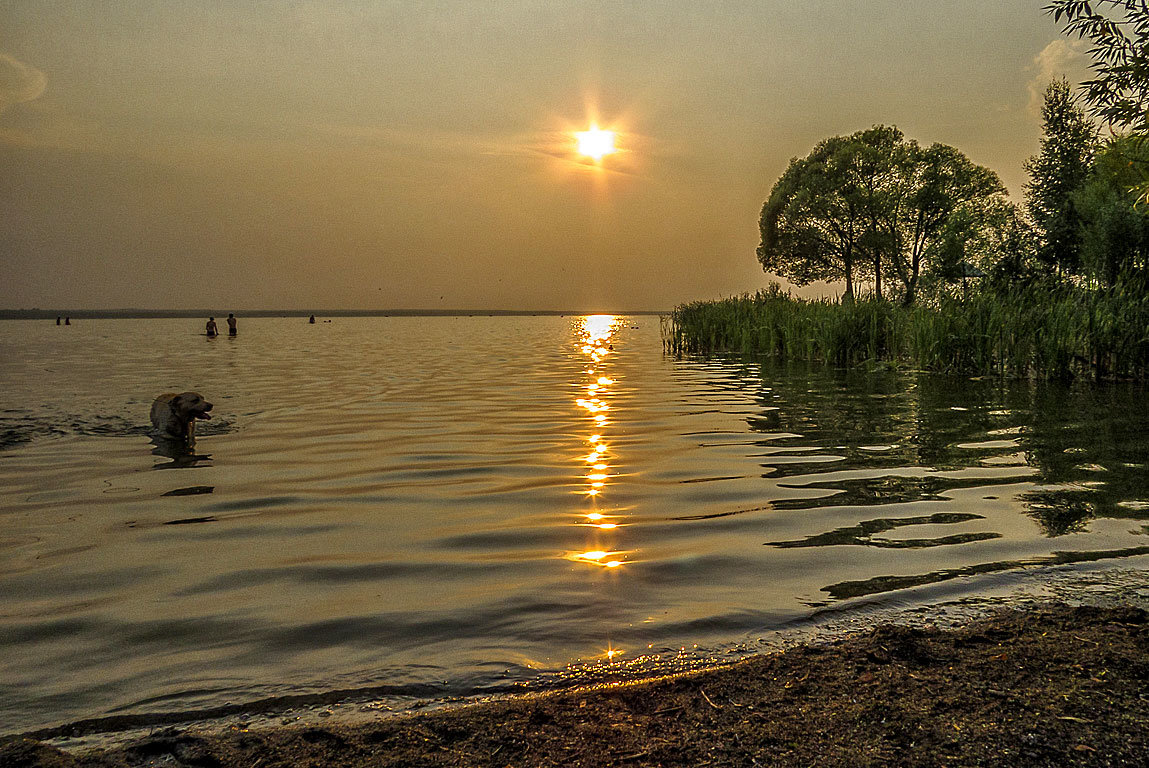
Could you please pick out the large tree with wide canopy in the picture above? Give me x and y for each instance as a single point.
(869, 205)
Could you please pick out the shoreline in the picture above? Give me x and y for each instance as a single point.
(946, 605)
(1045, 685)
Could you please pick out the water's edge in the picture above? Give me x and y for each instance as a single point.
(944, 606)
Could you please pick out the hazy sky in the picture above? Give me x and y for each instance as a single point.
(369, 153)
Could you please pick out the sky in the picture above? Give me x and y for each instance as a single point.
(368, 154)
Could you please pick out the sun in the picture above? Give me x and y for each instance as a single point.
(595, 142)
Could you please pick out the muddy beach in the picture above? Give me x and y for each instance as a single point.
(1055, 685)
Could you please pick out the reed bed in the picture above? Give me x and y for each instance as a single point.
(1041, 331)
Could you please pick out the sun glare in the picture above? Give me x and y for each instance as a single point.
(595, 142)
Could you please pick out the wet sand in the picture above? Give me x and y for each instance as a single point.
(1056, 685)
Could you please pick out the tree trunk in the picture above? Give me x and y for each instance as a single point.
(878, 275)
(910, 289)
(912, 283)
(849, 259)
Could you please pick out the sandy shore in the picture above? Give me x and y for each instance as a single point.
(1054, 686)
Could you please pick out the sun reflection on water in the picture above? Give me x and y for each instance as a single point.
(598, 557)
(596, 341)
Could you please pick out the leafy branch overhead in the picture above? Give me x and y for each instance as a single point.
(1119, 32)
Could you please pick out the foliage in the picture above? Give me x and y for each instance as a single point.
(872, 202)
(1118, 94)
(874, 205)
(1119, 91)
(1068, 142)
(1114, 230)
(811, 224)
(945, 189)
(1043, 330)
(990, 236)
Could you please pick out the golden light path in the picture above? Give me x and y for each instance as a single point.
(595, 337)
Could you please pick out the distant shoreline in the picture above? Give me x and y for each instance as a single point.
(149, 314)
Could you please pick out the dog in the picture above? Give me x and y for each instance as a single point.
(173, 416)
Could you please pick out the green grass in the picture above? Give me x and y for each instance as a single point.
(1037, 331)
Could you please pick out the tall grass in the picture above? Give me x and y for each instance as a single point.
(1039, 331)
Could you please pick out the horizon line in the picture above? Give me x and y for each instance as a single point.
(127, 313)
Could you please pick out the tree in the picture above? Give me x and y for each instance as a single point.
(812, 222)
(1119, 92)
(942, 186)
(1114, 230)
(1068, 142)
(872, 202)
(878, 162)
(990, 235)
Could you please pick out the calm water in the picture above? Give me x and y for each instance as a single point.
(442, 505)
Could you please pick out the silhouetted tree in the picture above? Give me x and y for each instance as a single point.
(878, 156)
(1068, 141)
(812, 223)
(869, 202)
(941, 184)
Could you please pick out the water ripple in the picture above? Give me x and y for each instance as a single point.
(430, 506)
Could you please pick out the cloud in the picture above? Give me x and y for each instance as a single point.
(19, 82)
(1061, 58)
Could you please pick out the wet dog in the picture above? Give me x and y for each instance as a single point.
(173, 416)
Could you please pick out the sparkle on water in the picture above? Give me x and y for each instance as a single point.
(385, 504)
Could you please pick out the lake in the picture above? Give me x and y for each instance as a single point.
(420, 508)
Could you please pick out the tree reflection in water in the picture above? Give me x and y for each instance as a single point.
(910, 436)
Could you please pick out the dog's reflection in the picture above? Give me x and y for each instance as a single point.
(182, 454)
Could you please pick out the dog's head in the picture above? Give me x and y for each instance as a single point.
(191, 405)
